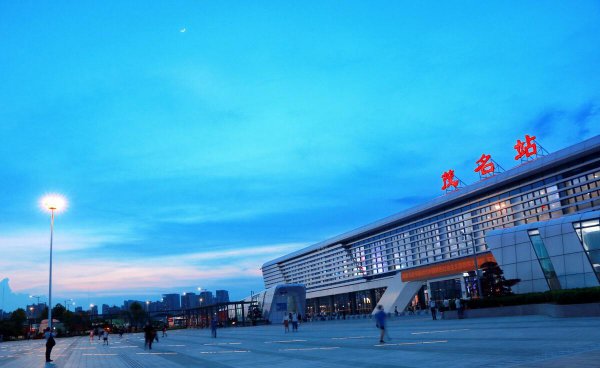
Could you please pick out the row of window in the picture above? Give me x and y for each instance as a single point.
(453, 234)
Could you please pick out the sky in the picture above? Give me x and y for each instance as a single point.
(197, 140)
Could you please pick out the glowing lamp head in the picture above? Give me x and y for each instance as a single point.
(54, 202)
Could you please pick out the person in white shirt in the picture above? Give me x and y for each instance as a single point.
(433, 308)
(459, 307)
(105, 337)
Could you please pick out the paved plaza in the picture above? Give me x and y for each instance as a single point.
(532, 341)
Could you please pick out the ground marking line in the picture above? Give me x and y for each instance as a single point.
(283, 341)
(225, 352)
(156, 353)
(305, 349)
(123, 347)
(98, 354)
(414, 343)
(430, 332)
(353, 337)
(175, 345)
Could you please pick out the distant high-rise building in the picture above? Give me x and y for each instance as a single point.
(206, 298)
(78, 309)
(189, 300)
(127, 304)
(108, 310)
(155, 306)
(93, 310)
(172, 301)
(222, 296)
(35, 310)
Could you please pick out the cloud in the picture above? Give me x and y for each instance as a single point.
(11, 300)
(573, 124)
(80, 274)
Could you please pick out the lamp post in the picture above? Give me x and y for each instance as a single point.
(37, 297)
(52, 203)
(480, 294)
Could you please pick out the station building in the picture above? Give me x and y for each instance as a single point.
(539, 221)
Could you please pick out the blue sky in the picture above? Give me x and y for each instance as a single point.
(191, 158)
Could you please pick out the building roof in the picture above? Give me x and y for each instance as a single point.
(517, 173)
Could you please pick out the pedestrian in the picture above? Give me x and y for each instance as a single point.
(446, 308)
(213, 327)
(459, 308)
(164, 331)
(105, 337)
(396, 310)
(286, 324)
(433, 308)
(49, 336)
(148, 336)
(380, 323)
(121, 330)
(294, 322)
(91, 336)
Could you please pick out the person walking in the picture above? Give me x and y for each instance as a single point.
(381, 324)
(286, 324)
(91, 336)
(396, 311)
(164, 331)
(105, 337)
(49, 336)
(433, 308)
(148, 336)
(294, 322)
(459, 308)
(446, 308)
(213, 327)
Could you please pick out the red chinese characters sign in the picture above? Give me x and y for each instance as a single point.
(448, 179)
(484, 165)
(527, 148)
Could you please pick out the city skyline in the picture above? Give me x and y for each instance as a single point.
(191, 158)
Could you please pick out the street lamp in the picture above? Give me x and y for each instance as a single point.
(52, 203)
(475, 261)
(37, 297)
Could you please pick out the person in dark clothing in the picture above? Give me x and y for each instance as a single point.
(49, 336)
(149, 334)
(213, 327)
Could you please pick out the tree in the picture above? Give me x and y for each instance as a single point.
(18, 317)
(493, 282)
(58, 312)
(137, 313)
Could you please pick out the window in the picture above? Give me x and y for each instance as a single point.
(542, 254)
(589, 235)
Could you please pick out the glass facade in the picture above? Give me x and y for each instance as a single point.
(446, 289)
(589, 234)
(545, 262)
(340, 305)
